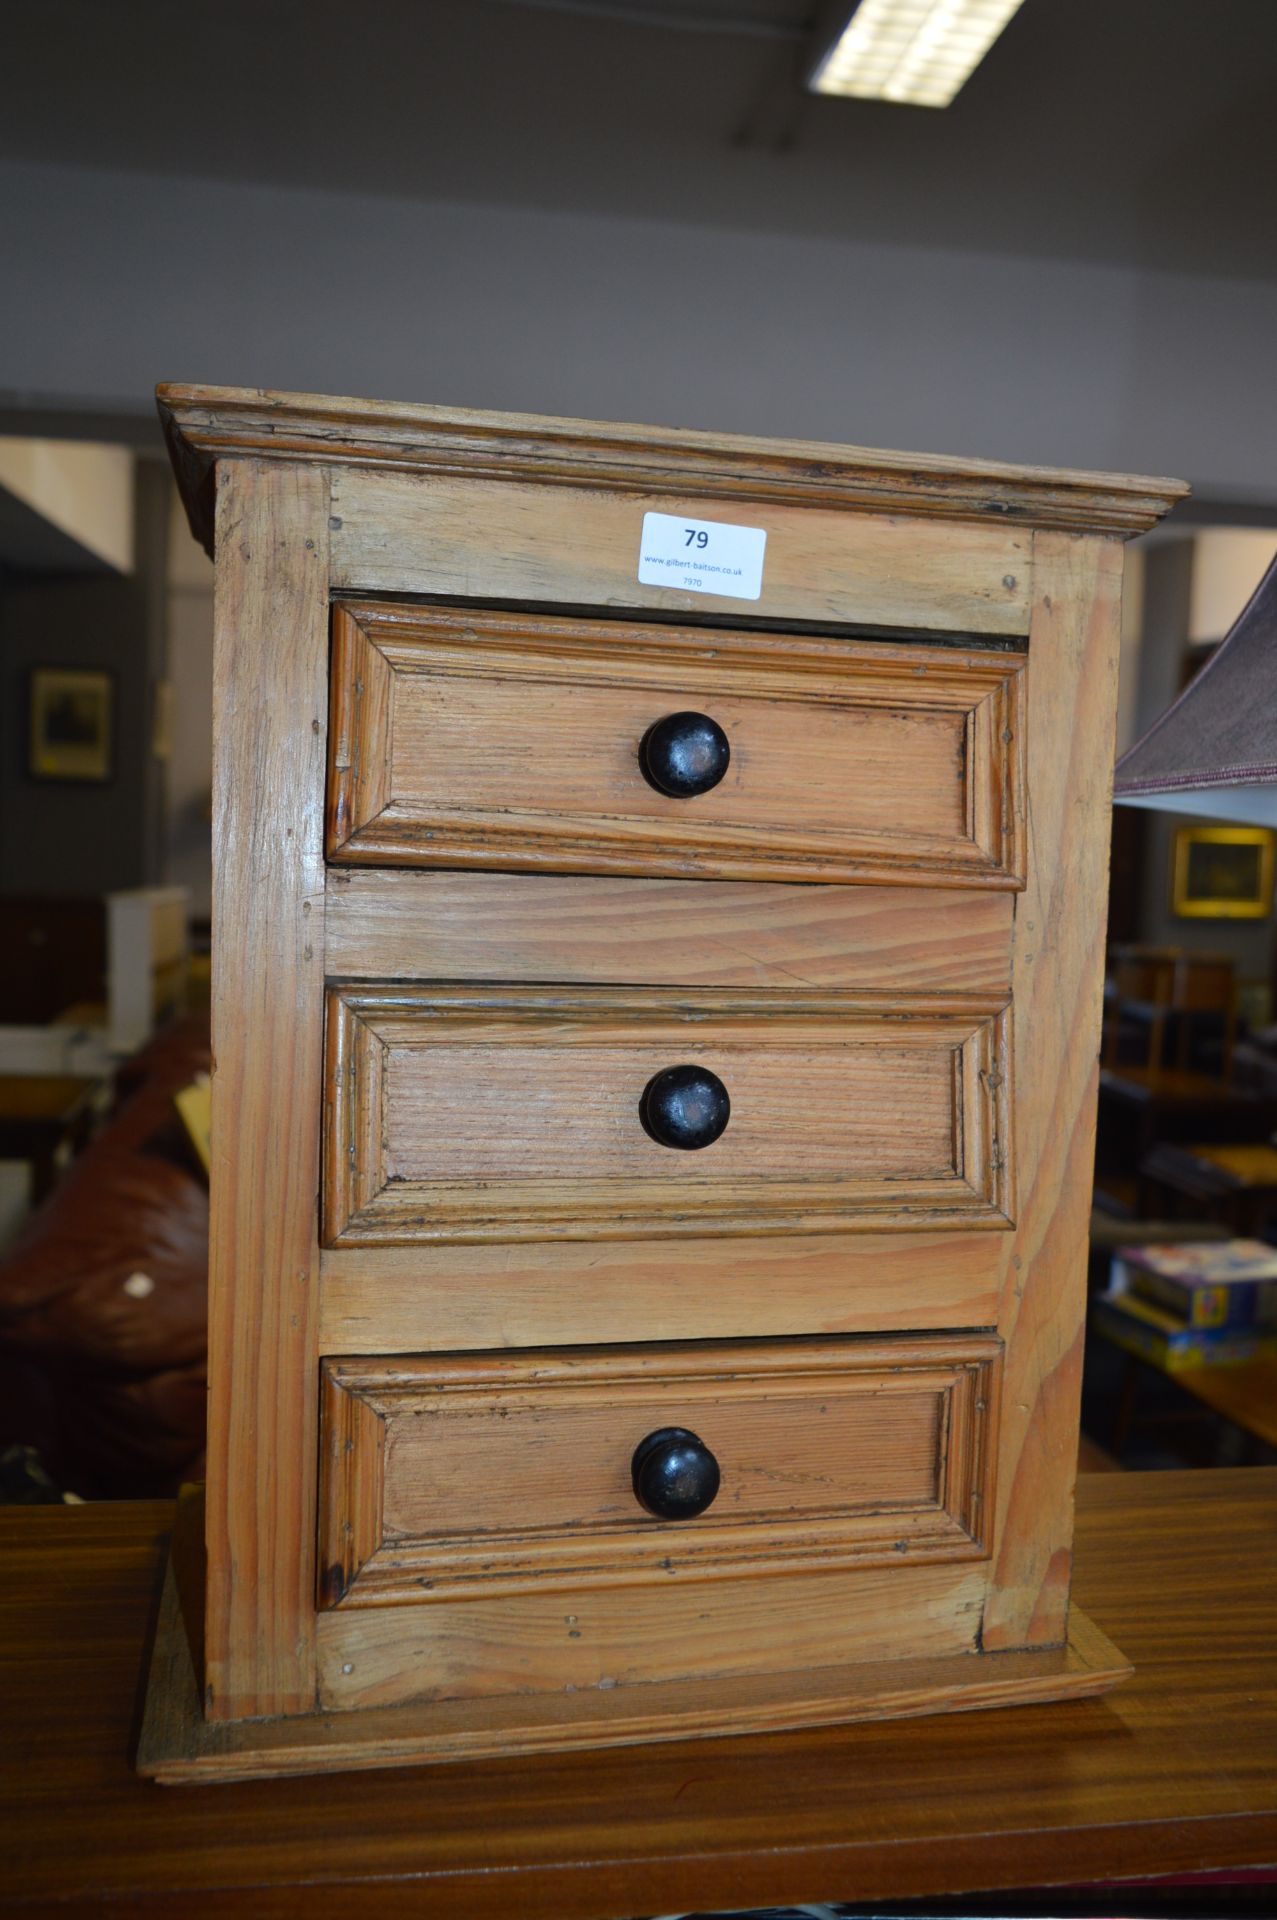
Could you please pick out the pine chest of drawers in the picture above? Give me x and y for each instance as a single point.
(657, 955)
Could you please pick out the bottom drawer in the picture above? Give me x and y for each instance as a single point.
(479, 1475)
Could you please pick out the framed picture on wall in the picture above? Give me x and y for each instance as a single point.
(71, 717)
(1222, 873)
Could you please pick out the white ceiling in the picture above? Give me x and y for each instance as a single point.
(1140, 131)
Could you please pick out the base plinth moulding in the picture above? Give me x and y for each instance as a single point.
(178, 1745)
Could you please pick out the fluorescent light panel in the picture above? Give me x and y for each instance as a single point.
(915, 52)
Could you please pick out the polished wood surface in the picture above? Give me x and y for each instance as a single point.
(1176, 1771)
(472, 739)
(514, 1114)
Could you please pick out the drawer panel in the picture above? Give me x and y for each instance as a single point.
(455, 1114)
(512, 741)
(485, 1474)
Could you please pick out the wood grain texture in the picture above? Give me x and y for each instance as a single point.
(179, 1750)
(270, 707)
(531, 1653)
(580, 1713)
(474, 739)
(204, 424)
(441, 1297)
(508, 1114)
(567, 550)
(1057, 983)
(500, 1474)
(1175, 1772)
(352, 1483)
(684, 933)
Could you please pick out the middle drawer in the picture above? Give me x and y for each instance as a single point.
(532, 1113)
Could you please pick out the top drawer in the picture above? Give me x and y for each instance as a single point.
(517, 741)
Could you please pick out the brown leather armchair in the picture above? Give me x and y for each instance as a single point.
(103, 1299)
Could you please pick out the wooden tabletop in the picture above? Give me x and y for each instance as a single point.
(1174, 1772)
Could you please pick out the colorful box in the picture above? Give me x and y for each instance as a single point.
(1220, 1283)
(1148, 1330)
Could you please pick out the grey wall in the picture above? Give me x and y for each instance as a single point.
(113, 281)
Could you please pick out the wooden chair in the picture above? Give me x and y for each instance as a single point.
(1205, 983)
(1153, 986)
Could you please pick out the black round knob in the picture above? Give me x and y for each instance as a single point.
(684, 754)
(685, 1107)
(674, 1473)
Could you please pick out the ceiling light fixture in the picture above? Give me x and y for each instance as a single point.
(917, 53)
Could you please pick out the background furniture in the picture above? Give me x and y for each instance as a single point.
(147, 958)
(1151, 991)
(1245, 1394)
(52, 954)
(1140, 1108)
(44, 1119)
(1174, 1773)
(1234, 1185)
(82, 985)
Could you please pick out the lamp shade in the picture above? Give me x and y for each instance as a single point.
(1214, 751)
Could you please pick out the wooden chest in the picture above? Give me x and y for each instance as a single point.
(657, 958)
